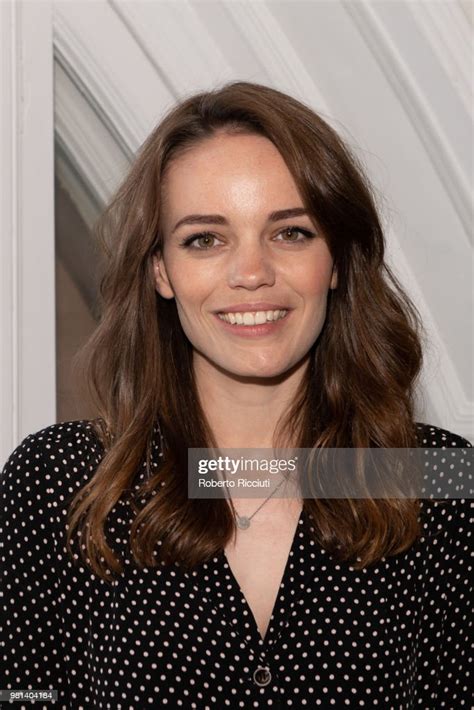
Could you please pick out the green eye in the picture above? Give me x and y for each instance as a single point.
(195, 238)
(207, 237)
(306, 234)
(291, 232)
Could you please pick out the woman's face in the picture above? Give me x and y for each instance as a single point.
(248, 263)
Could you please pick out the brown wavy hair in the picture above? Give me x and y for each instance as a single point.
(358, 390)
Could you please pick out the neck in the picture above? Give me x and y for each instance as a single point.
(244, 411)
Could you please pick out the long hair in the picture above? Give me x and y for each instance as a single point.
(358, 390)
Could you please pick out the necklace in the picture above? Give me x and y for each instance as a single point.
(243, 521)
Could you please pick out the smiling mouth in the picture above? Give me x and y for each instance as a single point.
(250, 318)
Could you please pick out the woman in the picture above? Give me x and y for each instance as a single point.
(246, 302)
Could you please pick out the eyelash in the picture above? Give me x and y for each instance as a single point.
(186, 243)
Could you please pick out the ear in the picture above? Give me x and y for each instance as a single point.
(162, 283)
(334, 278)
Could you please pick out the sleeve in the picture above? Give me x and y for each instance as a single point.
(29, 586)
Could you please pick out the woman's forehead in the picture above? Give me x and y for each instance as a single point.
(232, 153)
(235, 174)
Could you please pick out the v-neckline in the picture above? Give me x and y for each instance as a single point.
(269, 636)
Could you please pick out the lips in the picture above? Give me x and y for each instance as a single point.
(250, 329)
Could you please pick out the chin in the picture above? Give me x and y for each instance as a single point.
(265, 371)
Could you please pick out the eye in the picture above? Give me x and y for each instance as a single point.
(207, 236)
(292, 231)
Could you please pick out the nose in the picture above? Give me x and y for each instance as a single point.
(250, 266)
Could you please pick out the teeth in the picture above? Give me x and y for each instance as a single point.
(252, 318)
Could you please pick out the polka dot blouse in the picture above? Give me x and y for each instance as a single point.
(395, 635)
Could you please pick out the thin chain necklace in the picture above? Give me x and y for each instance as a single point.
(243, 521)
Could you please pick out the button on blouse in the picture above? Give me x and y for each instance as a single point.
(262, 676)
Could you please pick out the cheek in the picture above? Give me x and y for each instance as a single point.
(190, 282)
(312, 281)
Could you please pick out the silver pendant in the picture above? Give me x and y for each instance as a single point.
(243, 522)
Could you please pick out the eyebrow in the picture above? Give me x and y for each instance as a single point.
(219, 219)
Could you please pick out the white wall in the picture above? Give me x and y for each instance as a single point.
(27, 317)
(393, 77)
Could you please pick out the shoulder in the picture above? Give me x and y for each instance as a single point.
(75, 438)
(430, 436)
(59, 454)
(448, 461)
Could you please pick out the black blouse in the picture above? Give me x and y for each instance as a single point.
(394, 635)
